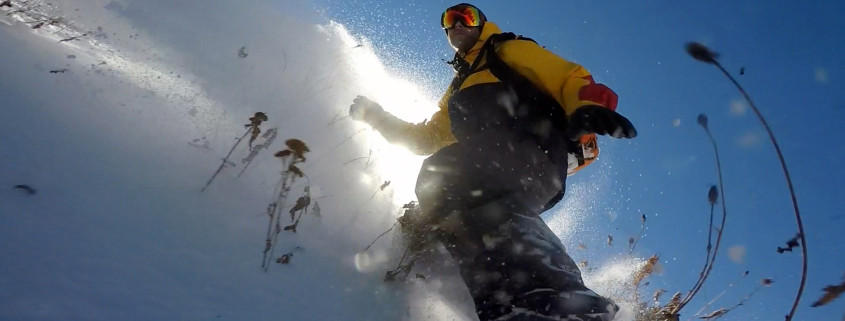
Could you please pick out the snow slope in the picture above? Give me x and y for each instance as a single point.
(118, 229)
(118, 130)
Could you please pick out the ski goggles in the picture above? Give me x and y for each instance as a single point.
(469, 16)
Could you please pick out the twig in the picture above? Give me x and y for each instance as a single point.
(722, 312)
(378, 237)
(369, 155)
(301, 206)
(356, 209)
(73, 38)
(273, 213)
(391, 275)
(275, 222)
(285, 258)
(702, 120)
(707, 258)
(26, 188)
(290, 157)
(270, 136)
(791, 193)
(337, 118)
(344, 141)
(702, 53)
(283, 195)
(354, 159)
(730, 285)
(225, 160)
(637, 241)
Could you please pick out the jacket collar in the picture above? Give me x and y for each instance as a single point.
(488, 30)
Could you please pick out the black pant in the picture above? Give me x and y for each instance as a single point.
(485, 196)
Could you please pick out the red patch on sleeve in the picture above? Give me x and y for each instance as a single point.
(599, 94)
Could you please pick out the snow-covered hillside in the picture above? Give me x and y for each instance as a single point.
(117, 114)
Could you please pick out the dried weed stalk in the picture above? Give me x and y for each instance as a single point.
(730, 285)
(269, 136)
(285, 258)
(290, 157)
(416, 239)
(723, 311)
(645, 270)
(251, 128)
(301, 207)
(704, 54)
(402, 270)
(831, 293)
(632, 242)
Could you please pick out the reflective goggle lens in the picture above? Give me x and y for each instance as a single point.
(468, 16)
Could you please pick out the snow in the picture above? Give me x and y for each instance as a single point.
(118, 228)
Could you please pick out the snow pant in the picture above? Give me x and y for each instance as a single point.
(485, 195)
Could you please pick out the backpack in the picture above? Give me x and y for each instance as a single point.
(580, 153)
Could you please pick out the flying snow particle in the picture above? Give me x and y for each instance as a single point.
(737, 254)
(821, 75)
(749, 140)
(738, 108)
(612, 215)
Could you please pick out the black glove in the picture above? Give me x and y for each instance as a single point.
(600, 120)
(361, 107)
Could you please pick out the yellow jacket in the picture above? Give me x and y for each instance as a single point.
(557, 77)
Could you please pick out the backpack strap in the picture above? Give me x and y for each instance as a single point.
(524, 87)
(488, 52)
(464, 69)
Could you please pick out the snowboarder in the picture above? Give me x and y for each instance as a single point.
(515, 121)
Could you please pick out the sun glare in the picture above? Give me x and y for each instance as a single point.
(401, 98)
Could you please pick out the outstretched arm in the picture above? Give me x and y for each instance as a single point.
(423, 138)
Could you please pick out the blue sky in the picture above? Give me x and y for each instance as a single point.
(791, 55)
(117, 230)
